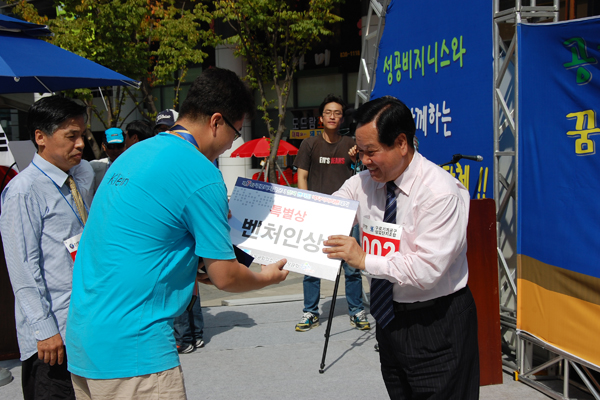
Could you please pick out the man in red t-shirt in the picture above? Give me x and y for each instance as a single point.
(323, 166)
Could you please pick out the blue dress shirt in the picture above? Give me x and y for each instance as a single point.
(38, 215)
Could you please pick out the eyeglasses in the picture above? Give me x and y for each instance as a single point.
(238, 134)
(114, 146)
(336, 113)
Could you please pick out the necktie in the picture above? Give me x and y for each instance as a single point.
(78, 200)
(382, 299)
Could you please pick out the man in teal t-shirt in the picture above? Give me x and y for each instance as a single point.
(162, 205)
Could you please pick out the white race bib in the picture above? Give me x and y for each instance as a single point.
(380, 238)
(72, 245)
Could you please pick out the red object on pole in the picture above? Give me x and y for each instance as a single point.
(261, 148)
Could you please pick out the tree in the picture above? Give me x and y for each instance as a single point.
(147, 40)
(272, 35)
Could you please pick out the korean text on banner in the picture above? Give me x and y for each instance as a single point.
(430, 62)
(272, 222)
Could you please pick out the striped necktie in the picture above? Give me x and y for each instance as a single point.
(382, 296)
(77, 199)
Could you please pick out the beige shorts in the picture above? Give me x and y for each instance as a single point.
(161, 385)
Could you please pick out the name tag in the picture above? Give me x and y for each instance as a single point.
(72, 245)
(380, 238)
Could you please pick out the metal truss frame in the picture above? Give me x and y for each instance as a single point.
(370, 51)
(517, 346)
(520, 348)
(553, 376)
(506, 166)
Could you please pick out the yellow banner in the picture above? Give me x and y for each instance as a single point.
(304, 133)
(560, 307)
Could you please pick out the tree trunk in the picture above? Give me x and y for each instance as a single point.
(148, 99)
(282, 98)
(90, 136)
(273, 155)
(272, 172)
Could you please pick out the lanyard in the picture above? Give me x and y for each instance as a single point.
(184, 134)
(61, 193)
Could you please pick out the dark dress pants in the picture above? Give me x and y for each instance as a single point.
(432, 353)
(189, 326)
(41, 381)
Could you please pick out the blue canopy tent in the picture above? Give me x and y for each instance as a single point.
(31, 65)
(16, 25)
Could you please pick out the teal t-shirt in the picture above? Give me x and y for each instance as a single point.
(160, 206)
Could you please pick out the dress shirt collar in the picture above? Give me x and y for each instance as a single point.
(57, 175)
(406, 180)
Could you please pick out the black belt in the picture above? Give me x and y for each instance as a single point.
(399, 307)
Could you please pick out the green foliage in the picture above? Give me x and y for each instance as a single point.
(272, 35)
(147, 40)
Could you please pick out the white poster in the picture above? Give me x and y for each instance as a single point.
(272, 222)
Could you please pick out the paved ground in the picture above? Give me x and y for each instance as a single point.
(253, 352)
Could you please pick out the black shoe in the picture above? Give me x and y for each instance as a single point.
(185, 348)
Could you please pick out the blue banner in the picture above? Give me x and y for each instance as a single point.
(558, 278)
(559, 160)
(437, 57)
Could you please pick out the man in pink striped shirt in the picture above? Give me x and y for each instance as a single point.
(413, 218)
